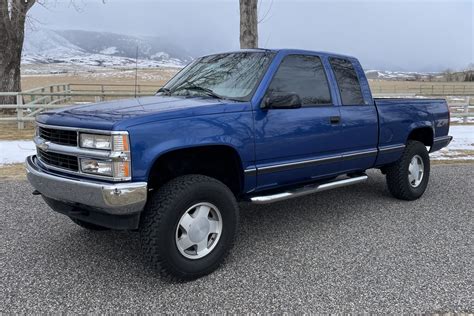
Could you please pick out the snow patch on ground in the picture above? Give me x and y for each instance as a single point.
(88, 62)
(461, 147)
(15, 151)
(461, 120)
(109, 51)
(160, 55)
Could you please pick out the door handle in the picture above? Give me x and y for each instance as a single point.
(335, 119)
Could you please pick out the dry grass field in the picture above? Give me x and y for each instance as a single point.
(9, 131)
(375, 83)
(12, 172)
(155, 77)
(400, 87)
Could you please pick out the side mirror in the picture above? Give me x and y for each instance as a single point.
(281, 101)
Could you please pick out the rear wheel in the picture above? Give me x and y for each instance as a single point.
(407, 179)
(189, 226)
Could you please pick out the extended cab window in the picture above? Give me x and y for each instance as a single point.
(348, 82)
(304, 76)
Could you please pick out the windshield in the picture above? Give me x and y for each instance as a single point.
(228, 76)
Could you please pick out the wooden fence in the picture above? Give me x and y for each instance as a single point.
(31, 102)
(425, 88)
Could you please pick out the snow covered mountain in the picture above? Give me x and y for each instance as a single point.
(401, 75)
(97, 49)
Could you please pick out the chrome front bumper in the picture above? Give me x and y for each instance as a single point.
(110, 198)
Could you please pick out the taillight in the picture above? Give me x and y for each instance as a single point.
(449, 115)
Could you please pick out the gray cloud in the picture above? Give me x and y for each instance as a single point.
(398, 35)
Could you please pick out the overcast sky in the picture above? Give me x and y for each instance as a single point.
(423, 35)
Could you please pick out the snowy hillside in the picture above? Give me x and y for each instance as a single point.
(95, 49)
(399, 75)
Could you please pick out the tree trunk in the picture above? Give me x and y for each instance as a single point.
(248, 24)
(10, 61)
(12, 30)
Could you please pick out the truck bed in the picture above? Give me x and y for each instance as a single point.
(400, 116)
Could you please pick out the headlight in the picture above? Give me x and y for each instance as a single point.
(116, 142)
(118, 165)
(95, 166)
(117, 169)
(96, 141)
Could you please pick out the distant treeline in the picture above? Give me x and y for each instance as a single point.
(469, 77)
(466, 75)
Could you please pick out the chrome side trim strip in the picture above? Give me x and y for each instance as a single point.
(314, 162)
(440, 142)
(310, 189)
(443, 139)
(391, 148)
(297, 164)
(251, 171)
(361, 154)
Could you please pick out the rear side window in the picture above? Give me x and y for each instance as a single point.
(304, 76)
(347, 81)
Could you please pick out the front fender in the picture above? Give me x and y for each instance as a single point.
(152, 140)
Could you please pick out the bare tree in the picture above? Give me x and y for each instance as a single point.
(248, 24)
(448, 75)
(12, 30)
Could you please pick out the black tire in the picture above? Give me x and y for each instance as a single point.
(397, 174)
(87, 225)
(159, 223)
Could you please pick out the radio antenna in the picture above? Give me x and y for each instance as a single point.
(136, 72)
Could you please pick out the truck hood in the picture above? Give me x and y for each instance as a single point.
(107, 115)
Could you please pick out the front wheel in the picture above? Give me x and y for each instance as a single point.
(189, 226)
(407, 178)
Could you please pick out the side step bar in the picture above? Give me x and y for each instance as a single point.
(309, 189)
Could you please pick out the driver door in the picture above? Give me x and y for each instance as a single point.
(298, 144)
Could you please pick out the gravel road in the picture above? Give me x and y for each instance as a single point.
(351, 249)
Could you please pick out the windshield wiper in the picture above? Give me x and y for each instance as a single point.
(207, 91)
(166, 91)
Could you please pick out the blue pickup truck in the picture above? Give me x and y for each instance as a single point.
(255, 125)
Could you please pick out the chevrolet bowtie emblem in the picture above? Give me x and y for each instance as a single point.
(44, 146)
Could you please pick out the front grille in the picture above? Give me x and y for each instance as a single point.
(58, 160)
(58, 136)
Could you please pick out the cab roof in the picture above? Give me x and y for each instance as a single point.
(290, 51)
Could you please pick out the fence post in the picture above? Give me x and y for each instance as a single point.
(466, 109)
(68, 87)
(102, 98)
(19, 111)
(51, 90)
